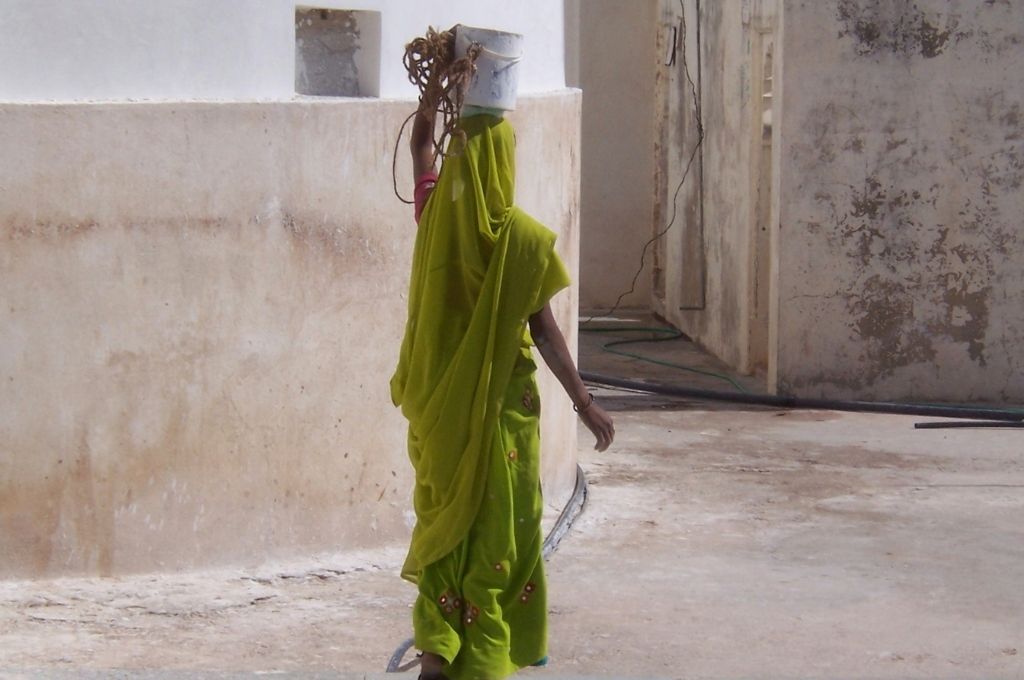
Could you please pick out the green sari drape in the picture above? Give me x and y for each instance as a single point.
(481, 267)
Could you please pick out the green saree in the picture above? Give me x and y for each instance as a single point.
(465, 381)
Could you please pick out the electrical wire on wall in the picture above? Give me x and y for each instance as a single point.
(686, 170)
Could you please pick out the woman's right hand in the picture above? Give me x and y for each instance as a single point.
(600, 424)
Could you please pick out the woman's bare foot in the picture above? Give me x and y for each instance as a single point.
(431, 666)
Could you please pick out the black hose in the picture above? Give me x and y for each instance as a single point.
(808, 403)
(572, 510)
(965, 424)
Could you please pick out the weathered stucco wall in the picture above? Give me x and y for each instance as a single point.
(201, 308)
(616, 64)
(711, 266)
(900, 200)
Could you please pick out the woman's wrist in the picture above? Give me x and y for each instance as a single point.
(583, 405)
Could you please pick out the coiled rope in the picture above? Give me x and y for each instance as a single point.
(442, 77)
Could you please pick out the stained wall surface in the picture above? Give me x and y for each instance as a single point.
(900, 198)
(201, 307)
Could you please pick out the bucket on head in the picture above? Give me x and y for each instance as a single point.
(497, 67)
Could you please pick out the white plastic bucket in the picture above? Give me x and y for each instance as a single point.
(497, 68)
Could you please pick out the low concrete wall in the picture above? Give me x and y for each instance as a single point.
(899, 203)
(202, 305)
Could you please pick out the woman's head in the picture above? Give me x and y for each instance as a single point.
(485, 152)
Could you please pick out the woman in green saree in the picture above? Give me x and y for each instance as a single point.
(483, 273)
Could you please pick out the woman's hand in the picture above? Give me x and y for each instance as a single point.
(600, 424)
(551, 345)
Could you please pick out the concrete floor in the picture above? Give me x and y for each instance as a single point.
(716, 542)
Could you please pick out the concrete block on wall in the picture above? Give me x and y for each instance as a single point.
(337, 52)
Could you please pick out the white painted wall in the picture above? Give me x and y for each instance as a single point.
(228, 49)
(143, 49)
(616, 70)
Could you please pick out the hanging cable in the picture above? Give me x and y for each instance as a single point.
(394, 160)
(686, 173)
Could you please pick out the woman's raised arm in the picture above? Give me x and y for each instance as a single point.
(421, 143)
